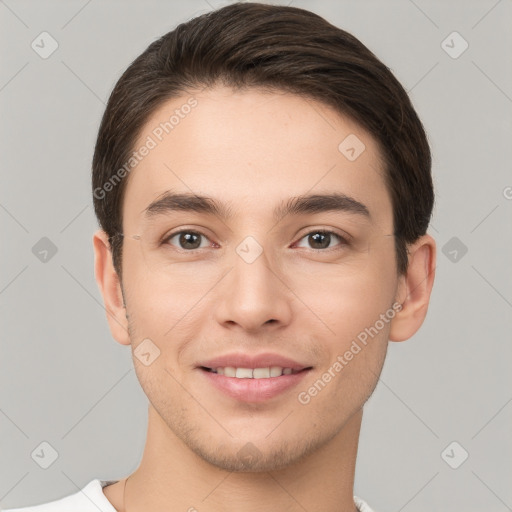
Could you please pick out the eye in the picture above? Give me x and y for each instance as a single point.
(321, 239)
(187, 240)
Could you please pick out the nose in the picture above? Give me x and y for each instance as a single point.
(253, 297)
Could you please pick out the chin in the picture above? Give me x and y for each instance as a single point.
(253, 456)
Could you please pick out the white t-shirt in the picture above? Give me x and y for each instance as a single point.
(92, 499)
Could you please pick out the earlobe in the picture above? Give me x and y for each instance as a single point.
(110, 288)
(414, 289)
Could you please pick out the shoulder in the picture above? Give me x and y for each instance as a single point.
(89, 499)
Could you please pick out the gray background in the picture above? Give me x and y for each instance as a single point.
(64, 380)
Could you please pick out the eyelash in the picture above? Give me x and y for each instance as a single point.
(343, 240)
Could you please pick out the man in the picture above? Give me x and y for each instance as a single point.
(263, 187)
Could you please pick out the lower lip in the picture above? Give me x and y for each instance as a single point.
(254, 390)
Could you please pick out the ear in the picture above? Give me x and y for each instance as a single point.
(110, 288)
(414, 289)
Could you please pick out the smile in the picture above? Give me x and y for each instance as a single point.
(252, 373)
(253, 385)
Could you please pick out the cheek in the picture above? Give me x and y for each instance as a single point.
(160, 297)
(347, 304)
(354, 347)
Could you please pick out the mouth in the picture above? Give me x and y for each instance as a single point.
(269, 372)
(253, 379)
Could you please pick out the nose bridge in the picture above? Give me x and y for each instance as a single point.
(253, 292)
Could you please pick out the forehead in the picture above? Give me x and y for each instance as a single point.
(252, 150)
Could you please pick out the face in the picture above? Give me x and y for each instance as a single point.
(222, 286)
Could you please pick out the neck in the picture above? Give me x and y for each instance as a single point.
(171, 474)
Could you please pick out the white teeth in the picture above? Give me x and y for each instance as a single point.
(256, 373)
(261, 373)
(229, 371)
(243, 373)
(275, 371)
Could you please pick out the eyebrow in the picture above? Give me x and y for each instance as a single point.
(313, 203)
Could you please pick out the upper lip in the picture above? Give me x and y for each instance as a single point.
(264, 360)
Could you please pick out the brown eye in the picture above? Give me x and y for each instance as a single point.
(187, 240)
(319, 240)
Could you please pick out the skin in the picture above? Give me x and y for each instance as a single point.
(253, 149)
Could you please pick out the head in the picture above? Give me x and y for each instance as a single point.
(239, 112)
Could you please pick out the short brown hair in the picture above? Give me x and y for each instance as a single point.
(280, 48)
